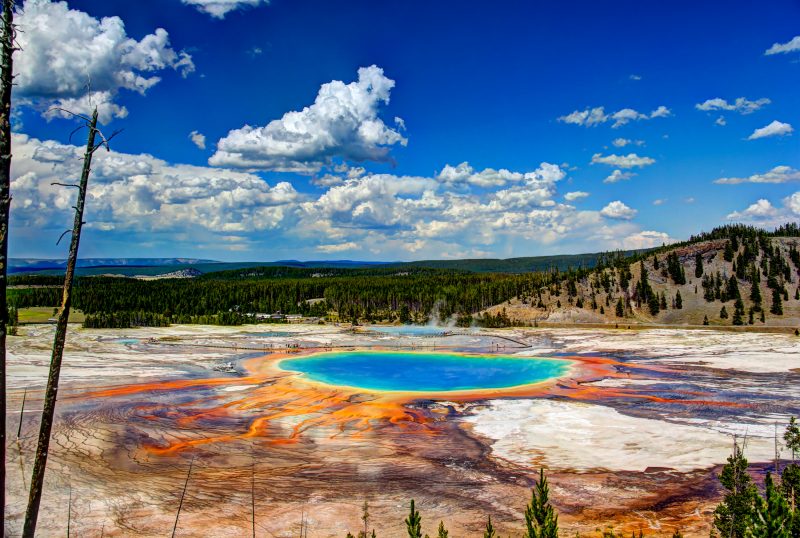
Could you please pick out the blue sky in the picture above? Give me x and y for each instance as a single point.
(508, 88)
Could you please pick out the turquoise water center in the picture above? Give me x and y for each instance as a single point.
(408, 330)
(424, 372)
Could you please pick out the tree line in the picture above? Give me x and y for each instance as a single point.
(373, 295)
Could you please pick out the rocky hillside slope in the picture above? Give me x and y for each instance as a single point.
(747, 278)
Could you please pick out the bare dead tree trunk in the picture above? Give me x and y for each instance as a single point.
(253, 495)
(22, 412)
(51, 393)
(183, 494)
(6, 81)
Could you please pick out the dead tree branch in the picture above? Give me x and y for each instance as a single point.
(51, 392)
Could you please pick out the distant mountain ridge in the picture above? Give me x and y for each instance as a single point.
(16, 265)
(160, 266)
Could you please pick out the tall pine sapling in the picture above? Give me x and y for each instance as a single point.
(413, 522)
(733, 515)
(489, 532)
(772, 517)
(541, 520)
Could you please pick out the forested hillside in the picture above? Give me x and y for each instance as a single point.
(733, 275)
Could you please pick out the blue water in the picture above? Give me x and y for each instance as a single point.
(427, 372)
(408, 330)
(271, 334)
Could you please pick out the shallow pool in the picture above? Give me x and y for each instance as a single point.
(426, 371)
(408, 330)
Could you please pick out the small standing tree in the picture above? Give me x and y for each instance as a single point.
(442, 533)
(541, 520)
(792, 438)
(489, 532)
(772, 517)
(51, 392)
(698, 265)
(365, 518)
(733, 514)
(414, 522)
(777, 303)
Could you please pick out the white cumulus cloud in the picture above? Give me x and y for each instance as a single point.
(141, 192)
(782, 48)
(140, 198)
(618, 175)
(758, 210)
(337, 247)
(763, 213)
(646, 239)
(575, 195)
(198, 139)
(591, 117)
(618, 210)
(343, 122)
(220, 8)
(489, 177)
(776, 128)
(622, 161)
(741, 105)
(779, 174)
(69, 59)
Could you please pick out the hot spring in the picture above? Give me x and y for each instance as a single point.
(408, 330)
(424, 371)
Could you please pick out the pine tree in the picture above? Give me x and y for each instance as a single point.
(732, 515)
(698, 265)
(705, 320)
(365, 517)
(541, 520)
(723, 313)
(755, 295)
(772, 517)
(733, 288)
(414, 523)
(678, 300)
(792, 438)
(442, 531)
(663, 303)
(489, 532)
(777, 304)
(790, 483)
(620, 308)
(653, 304)
(728, 253)
(738, 312)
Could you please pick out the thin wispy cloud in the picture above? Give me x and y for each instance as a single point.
(591, 117)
